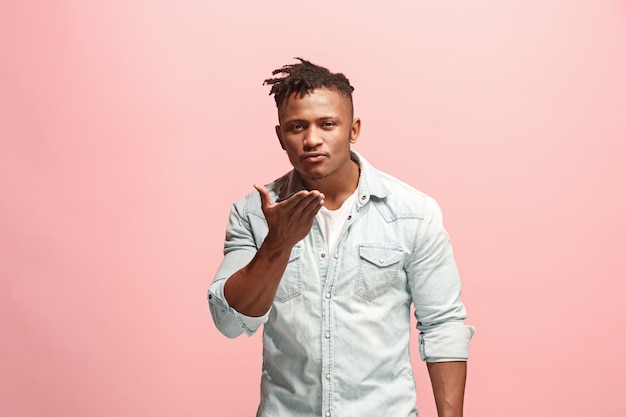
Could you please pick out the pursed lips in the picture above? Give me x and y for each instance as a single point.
(313, 155)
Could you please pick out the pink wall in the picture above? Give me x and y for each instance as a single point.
(128, 127)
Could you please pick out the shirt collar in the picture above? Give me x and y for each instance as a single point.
(370, 182)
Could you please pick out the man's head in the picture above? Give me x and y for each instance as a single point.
(316, 122)
(303, 78)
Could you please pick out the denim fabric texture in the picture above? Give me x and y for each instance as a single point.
(336, 339)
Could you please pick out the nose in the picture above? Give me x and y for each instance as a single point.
(312, 139)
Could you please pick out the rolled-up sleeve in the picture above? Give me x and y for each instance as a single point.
(239, 249)
(229, 321)
(436, 291)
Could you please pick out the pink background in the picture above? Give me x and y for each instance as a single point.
(127, 128)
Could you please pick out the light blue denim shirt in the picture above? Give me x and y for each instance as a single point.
(336, 339)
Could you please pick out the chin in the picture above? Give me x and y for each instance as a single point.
(313, 175)
(316, 176)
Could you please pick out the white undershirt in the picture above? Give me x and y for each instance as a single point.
(331, 222)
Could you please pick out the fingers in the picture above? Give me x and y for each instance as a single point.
(307, 202)
(303, 199)
(308, 206)
(313, 205)
(266, 200)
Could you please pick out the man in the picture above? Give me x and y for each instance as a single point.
(329, 258)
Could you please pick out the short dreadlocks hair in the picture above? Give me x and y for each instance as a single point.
(304, 77)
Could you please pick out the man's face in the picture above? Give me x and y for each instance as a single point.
(316, 132)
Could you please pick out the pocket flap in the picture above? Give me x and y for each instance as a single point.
(380, 256)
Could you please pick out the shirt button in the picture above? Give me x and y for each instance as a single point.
(323, 255)
(327, 376)
(327, 414)
(381, 260)
(327, 295)
(327, 335)
(350, 217)
(363, 197)
(336, 256)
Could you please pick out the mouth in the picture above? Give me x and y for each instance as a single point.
(314, 157)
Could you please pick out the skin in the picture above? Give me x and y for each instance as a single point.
(316, 132)
(448, 382)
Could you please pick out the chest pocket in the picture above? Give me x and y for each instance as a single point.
(291, 283)
(378, 267)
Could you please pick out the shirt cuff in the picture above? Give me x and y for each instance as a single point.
(248, 324)
(446, 343)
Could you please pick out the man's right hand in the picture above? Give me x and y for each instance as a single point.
(290, 220)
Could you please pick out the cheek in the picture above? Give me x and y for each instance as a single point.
(290, 145)
(291, 149)
(344, 140)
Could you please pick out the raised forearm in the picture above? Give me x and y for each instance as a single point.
(448, 381)
(251, 290)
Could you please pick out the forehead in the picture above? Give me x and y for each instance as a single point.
(321, 100)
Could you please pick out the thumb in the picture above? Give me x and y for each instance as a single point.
(266, 200)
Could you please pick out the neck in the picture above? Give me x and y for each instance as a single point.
(338, 186)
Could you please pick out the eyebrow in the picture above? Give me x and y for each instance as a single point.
(319, 119)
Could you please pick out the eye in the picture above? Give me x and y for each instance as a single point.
(297, 126)
(328, 124)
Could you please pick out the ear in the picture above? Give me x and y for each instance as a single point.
(355, 130)
(279, 136)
